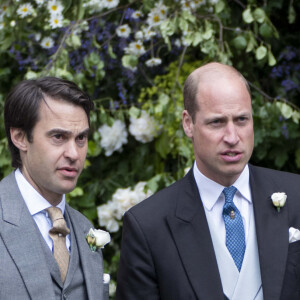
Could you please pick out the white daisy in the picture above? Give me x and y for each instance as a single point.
(148, 33)
(47, 42)
(137, 14)
(110, 3)
(37, 36)
(139, 35)
(162, 9)
(135, 48)
(152, 62)
(123, 31)
(56, 21)
(40, 2)
(3, 9)
(55, 7)
(187, 5)
(155, 17)
(25, 10)
(199, 3)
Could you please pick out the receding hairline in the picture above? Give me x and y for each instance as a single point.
(214, 71)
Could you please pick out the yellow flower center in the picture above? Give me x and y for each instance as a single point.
(138, 46)
(47, 44)
(25, 9)
(55, 21)
(54, 7)
(156, 18)
(123, 30)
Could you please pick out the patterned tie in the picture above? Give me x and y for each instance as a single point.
(58, 235)
(235, 235)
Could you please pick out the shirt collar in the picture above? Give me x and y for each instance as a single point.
(34, 200)
(210, 190)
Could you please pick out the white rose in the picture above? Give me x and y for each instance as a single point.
(107, 216)
(113, 138)
(279, 199)
(144, 128)
(101, 237)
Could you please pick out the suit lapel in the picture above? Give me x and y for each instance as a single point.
(190, 231)
(90, 261)
(271, 230)
(21, 239)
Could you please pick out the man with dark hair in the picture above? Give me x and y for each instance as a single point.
(217, 233)
(43, 249)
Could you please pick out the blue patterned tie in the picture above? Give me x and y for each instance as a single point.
(235, 235)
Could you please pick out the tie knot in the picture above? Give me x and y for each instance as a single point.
(58, 221)
(229, 193)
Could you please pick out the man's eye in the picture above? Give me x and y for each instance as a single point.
(215, 122)
(58, 136)
(81, 138)
(242, 119)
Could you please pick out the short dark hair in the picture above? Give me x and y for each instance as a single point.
(22, 106)
(191, 86)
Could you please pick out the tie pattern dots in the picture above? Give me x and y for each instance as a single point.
(235, 234)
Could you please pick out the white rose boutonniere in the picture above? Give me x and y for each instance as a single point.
(278, 200)
(97, 238)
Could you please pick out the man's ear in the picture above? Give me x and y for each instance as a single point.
(187, 123)
(18, 137)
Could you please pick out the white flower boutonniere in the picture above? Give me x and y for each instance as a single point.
(279, 200)
(97, 238)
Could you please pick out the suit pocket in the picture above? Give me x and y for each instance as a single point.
(294, 247)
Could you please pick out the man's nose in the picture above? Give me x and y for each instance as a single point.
(71, 151)
(231, 134)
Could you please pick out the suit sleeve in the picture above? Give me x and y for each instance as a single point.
(136, 275)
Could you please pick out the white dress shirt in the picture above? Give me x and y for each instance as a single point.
(37, 206)
(213, 200)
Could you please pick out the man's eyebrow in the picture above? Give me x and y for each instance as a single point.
(66, 132)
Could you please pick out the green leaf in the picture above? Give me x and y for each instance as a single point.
(134, 112)
(152, 184)
(261, 52)
(259, 15)
(265, 30)
(239, 42)
(292, 14)
(6, 43)
(129, 61)
(207, 34)
(271, 59)
(286, 110)
(197, 39)
(183, 25)
(111, 52)
(73, 41)
(296, 116)
(251, 43)
(162, 144)
(220, 6)
(247, 16)
(281, 158)
(78, 191)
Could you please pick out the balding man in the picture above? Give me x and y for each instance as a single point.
(215, 234)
